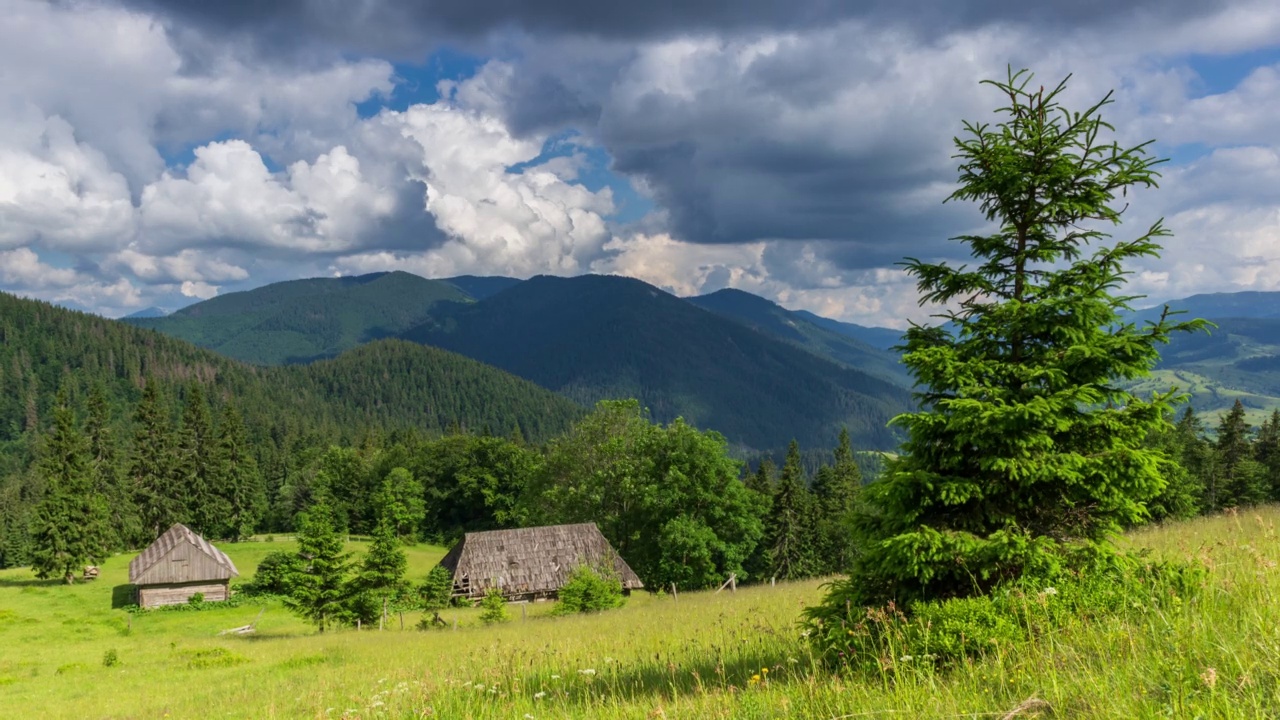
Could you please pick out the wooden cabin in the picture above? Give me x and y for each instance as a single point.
(531, 563)
(180, 564)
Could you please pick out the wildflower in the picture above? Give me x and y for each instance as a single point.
(1051, 591)
(479, 686)
(906, 658)
(539, 695)
(755, 680)
(376, 703)
(555, 677)
(764, 671)
(587, 671)
(528, 716)
(1209, 677)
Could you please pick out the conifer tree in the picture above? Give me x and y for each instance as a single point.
(1267, 452)
(239, 485)
(382, 572)
(70, 522)
(108, 480)
(196, 464)
(789, 531)
(319, 590)
(1240, 480)
(763, 482)
(157, 498)
(836, 490)
(1027, 454)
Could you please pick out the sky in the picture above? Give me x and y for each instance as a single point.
(160, 152)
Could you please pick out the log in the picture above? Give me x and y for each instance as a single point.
(245, 629)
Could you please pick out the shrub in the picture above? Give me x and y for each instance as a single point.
(273, 575)
(196, 598)
(437, 590)
(493, 607)
(110, 658)
(588, 590)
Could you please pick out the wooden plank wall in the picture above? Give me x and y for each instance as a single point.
(155, 596)
(184, 563)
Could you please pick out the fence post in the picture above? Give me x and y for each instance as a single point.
(674, 595)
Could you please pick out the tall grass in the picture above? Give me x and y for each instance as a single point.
(726, 655)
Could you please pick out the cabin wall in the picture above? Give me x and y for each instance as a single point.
(150, 596)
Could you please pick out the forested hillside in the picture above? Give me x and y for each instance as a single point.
(289, 413)
(776, 321)
(305, 320)
(593, 337)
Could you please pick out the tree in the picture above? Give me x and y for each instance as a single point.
(158, 501)
(382, 572)
(836, 489)
(1267, 452)
(70, 522)
(1027, 454)
(1238, 478)
(789, 531)
(400, 503)
(669, 499)
(123, 525)
(196, 465)
(319, 592)
(241, 496)
(1184, 488)
(763, 482)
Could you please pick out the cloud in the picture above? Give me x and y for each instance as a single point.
(23, 272)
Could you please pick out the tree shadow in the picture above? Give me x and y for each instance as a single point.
(31, 582)
(123, 596)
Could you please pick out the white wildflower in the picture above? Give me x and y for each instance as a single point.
(1051, 591)
(587, 671)
(555, 677)
(539, 695)
(906, 658)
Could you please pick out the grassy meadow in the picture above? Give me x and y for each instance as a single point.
(703, 655)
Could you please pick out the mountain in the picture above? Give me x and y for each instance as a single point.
(1220, 305)
(305, 320)
(385, 385)
(877, 337)
(772, 319)
(479, 288)
(151, 312)
(593, 337)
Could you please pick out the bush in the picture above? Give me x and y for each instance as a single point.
(110, 658)
(493, 607)
(437, 590)
(196, 598)
(944, 631)
(273, 575)
(588, 590)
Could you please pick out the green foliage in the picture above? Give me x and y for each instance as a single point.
(1027, 455)
(240, 489)
(436, 591)
(196, 599)
(790, 533)
(70, 522)
(275, 574)
(401, 499)
(493, 607)
(472, 483)
(667, 498)
(589, 590)
(319, 590)
(110, 658)
(836, 490)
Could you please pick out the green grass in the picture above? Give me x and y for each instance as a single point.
(1216, 656)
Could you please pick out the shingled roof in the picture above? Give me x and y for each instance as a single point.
(180, 556)
(531, 561)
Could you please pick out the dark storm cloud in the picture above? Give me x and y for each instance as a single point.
(396, 27)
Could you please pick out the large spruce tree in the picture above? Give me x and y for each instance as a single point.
(158, 499)
(70, 522)
(196, 465)
(238, 483)
(836, 488)
(790, 532)
(1027, 454)
(319, 590)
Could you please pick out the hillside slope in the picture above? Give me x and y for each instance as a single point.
(593, 337)
(305, 320)
(772, 319)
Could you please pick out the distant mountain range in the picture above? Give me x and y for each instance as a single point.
(151, 312)
(729, 361)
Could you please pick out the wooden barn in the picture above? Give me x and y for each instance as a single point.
(180, 564)
(531, 563)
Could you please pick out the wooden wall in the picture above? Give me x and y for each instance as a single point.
(156, 595)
